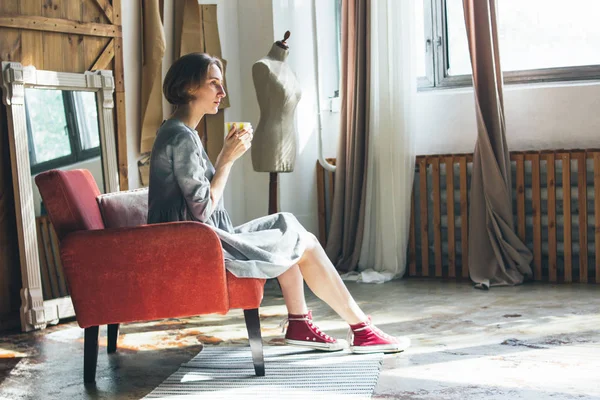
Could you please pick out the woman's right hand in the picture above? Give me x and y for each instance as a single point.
(236, 143)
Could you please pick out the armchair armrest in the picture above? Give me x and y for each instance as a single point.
(146, 272)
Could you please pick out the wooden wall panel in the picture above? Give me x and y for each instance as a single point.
(51, 50)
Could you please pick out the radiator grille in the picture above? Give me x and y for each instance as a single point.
(555, 195)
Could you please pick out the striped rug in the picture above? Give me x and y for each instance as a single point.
(291, 373)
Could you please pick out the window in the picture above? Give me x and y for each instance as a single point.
(62, 128)
(540, 40)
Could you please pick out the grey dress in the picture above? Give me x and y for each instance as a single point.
(180, 175)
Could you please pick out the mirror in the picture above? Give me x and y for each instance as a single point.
(62, 133)
(55, 121)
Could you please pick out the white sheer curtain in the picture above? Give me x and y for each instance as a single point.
(391, 158)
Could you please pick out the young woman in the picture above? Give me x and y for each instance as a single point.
(184, 185)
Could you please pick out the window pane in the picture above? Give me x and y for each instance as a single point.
(459, 62)
(87, 119)
(420, 38)
(533, 34)
(548, 33)
(49, 130)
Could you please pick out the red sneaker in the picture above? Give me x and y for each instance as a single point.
(302, 332)
(367, 338)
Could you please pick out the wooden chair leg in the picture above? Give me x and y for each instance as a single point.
(253, 326)
(90, 354)
(113, 334)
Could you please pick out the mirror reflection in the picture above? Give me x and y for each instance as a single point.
(63, 133)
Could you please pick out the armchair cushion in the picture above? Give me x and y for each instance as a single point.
(124, 209)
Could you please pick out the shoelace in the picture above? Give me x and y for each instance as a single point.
(285, 323)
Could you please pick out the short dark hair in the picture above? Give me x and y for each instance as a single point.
(187, 74)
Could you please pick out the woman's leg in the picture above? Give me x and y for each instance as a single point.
(325, 282)
(292, 287)
(322, 278)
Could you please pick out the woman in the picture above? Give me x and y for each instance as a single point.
(184, 185)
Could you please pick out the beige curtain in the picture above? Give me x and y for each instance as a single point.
(199, 32)
(347, 222)
(497, 256)
(153, 50)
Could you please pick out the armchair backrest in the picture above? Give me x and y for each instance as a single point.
(70, 199)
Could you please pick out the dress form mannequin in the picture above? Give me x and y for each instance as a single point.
(278, 93)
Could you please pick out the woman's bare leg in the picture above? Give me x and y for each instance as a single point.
(292, 287)
(323, 279)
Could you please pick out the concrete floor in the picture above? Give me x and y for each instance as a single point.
(536, 341)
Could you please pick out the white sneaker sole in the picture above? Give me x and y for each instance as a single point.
(317, 346)
(382, 348)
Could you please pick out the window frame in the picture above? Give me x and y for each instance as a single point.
(78, 154)
(436, 44)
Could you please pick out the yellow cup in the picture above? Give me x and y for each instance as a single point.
(239, 125)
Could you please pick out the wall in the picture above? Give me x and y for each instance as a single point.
(132, 47)
(264, 22)
(538, 116)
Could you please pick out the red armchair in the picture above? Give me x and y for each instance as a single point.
(140, 273)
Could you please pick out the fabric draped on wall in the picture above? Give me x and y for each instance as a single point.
(347, 220)
(497, 256)
(199, 32)
(153, 51)
(391, 158)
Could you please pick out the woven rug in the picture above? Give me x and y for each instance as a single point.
(291, 373)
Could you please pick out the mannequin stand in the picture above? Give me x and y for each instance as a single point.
(273, 193)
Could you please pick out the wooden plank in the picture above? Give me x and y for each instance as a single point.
(21, 7)
(73, 44)
(519, 158)
(120, 120)
(52, 42)
(58, 25)
(464, 216)
(597, 212)
(46, 287)
(567, 237)
(450, 214)
(550, 171)
(62, 284)
(116, 4)
(54, 58)
(50, 259)
(437, 217)
(10, 45)
(424, 217)
(582, 198)
(121, 141)
(536, 205)
(106, 9)
(321, 203)
(104, 59)
(412, 239)
(118, 71)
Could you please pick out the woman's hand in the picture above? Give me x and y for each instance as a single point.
(236, 143)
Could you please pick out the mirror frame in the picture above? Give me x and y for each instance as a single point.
(36, 312)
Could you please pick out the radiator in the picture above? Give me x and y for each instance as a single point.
(555, 195)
